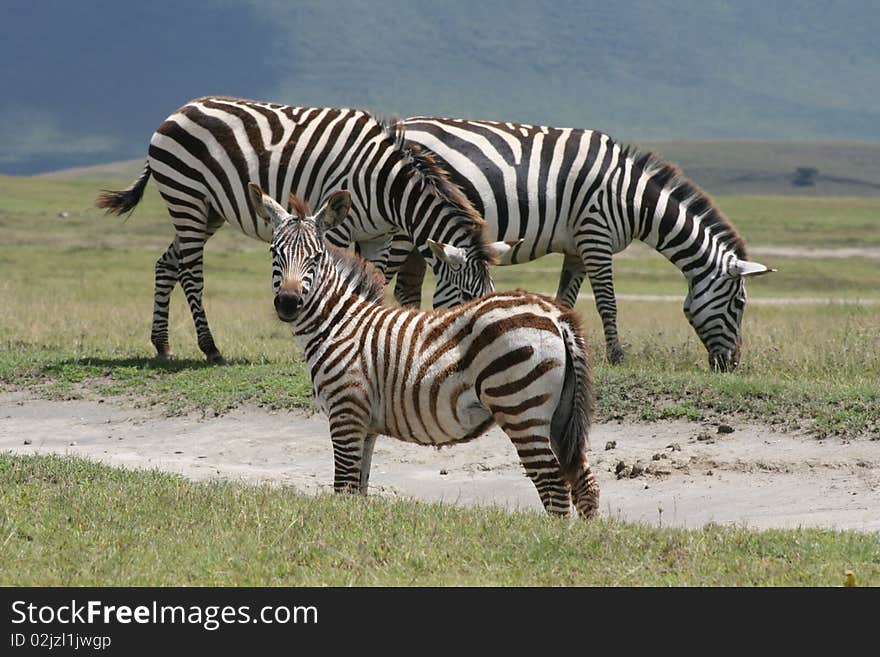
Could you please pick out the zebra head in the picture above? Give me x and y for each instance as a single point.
(462, 273)
(714, 306)
(297, 245)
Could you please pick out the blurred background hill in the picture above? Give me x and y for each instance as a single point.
(747, 96)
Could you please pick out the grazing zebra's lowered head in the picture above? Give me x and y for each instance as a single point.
(462, 272)
(714, 306)
(695, 235)
(434, 377)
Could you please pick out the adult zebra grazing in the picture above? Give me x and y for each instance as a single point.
(206, 152)
(435, 377)
(579, 193)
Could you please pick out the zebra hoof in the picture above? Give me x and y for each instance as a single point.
(615, 355)
(166, 356)
(216, 358)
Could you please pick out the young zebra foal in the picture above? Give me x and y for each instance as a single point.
(436, 377)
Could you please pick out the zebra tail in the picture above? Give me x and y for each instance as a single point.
(570, 425)
(123, 201)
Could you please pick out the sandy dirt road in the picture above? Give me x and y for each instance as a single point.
(692, 474)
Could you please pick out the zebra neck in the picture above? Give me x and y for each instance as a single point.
(330, 311)
(684, 239)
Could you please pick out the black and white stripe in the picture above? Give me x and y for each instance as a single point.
(432, 377)
(205, 153)
(579, 193)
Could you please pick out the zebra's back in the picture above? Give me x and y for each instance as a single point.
(206, 152)
(529, 182)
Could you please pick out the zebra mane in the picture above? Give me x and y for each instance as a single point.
(394, 129)
(426, 166)
(364, 279)
(297, 206)
(671, 178)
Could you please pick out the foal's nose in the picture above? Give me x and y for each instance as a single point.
(286, 305)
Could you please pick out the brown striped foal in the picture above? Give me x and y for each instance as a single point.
(431, 377)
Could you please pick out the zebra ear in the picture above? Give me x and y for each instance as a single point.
(451, 255)
(265, 206)
(502, 252)
(335, 210)
(746, 268)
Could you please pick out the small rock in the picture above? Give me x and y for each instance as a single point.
(646, 486)
(621, 466)
(72, 443)
(675, 447)
(444, 472)
(27, 441)
(658, 470)
(657, 457)
(637, 470)
(178, 452)
(709, 473)
(611, 444)
(704, 436)
(725, 428)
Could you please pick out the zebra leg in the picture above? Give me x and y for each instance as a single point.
(192, 282)
(410, 277)
(532, 444)
(570, 280)
(598, 267)
(585, 490)
(352, 453)
(167, 269)
(376, 252)
(366, 462)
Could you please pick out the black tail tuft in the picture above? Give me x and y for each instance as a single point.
(120, 202)
(570, 426)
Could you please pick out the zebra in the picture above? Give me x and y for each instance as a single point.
(579, 193)
(203, 155)
(431, 377)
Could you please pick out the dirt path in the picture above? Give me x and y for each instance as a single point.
(753, 475)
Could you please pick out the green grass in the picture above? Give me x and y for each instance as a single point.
(805, 222)
(77, 299)
(71, 522)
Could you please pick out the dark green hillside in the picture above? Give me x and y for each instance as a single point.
(107, 73)
(777, 167)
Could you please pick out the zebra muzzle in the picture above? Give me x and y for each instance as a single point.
(287, 305)
(724, 361)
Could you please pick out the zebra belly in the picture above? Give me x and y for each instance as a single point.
(457, 416)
